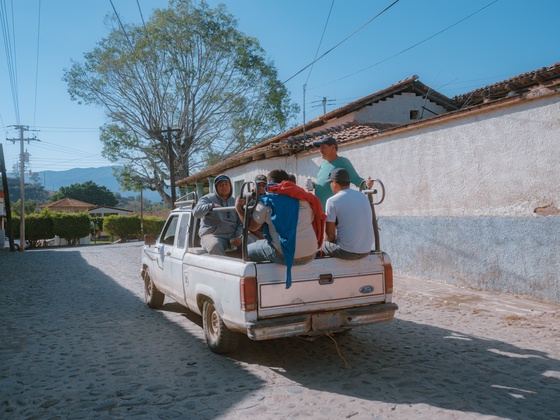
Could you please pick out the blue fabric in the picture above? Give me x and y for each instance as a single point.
(285, 212)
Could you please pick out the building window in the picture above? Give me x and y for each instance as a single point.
(414, 115)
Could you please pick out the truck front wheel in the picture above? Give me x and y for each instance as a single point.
(154, 298)
(219, 338)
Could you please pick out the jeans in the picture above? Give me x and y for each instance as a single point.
(261, 250)
(215, 245)
(331, 249)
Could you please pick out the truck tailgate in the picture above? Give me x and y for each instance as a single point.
(323, 284)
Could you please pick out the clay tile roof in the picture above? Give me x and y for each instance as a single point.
(286, 146)
(342, 133)
(67, 203)
(515, 85)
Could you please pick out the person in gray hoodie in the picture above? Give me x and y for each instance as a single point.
(217, 229)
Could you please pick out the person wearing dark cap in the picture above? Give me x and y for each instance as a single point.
(328, 147)
(349, 228)
(260, 181)
(217, 229)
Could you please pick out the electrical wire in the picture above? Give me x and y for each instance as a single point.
(320, 42)
(11, 61)
(141, 15)
(412, 46)
(121, 24)
(344, 40)
(37, 64)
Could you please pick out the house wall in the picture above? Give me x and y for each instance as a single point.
(396, 110)
(462, 194)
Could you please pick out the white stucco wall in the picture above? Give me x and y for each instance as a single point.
(506, 163)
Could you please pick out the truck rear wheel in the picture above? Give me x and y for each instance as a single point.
(219, 338)
(154, 298)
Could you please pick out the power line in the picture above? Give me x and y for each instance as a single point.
(68, 129)
(10, 51)
(412, 46)
(142, 16)
(121, 24)
(37, 64)
(320, 42)
(344, 40)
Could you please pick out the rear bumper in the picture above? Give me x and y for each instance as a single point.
(320, 323)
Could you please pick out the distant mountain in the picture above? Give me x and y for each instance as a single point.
(53, 180)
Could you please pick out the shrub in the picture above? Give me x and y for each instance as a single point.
(153, 225)
(37, 227)
(122, 227)
(71, 226)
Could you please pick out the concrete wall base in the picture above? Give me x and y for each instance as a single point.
(508, 254)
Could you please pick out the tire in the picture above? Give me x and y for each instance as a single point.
(154, 298)
(219, 338)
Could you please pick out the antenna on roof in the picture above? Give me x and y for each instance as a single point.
(304, 88)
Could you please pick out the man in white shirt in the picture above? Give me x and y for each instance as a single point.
(349, 227)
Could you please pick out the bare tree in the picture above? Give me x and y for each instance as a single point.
(188, 69)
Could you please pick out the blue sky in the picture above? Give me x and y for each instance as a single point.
(454, 46)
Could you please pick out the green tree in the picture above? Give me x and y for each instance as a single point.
(188, 68)
(88, 192)
(30, 207)
(34, 191)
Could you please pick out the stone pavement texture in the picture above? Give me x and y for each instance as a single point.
(78, 342)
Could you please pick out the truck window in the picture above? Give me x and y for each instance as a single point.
(183, 229)
(168, 235)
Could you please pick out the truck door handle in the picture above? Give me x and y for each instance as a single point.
(326, 279)
(168, 254)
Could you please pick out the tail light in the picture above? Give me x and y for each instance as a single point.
(248, 291)
(388, 268)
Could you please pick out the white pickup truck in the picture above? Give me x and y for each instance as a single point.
(235, 296)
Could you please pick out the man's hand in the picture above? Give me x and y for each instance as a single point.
(239, 202)
(237, 241)
(369, 183)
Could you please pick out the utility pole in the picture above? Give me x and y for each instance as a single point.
(22, 159)
(331, 101)
(169, 132)
(325, 102)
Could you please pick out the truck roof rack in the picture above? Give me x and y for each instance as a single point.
(189, 199)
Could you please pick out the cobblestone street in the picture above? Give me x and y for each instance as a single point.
(77, 341)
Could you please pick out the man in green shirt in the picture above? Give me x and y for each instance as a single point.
(328, 147)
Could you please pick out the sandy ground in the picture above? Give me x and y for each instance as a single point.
(78, 342)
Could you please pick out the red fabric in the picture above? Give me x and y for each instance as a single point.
(290, 189)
